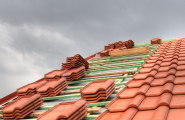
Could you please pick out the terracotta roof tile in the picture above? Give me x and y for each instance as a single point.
(139, 83)
(165, 74)
(180, 73)
(132, 92)
(139, 76)
(54, 75)
(52, 88)
(120, 105)
(21, 107)
(179, 80)
(179, 89)
(74, 73)
(127, 115)
(159, 90)
(147, 70)
(177, 101)
(77, 110)
(151, 103)
(167, 68)
(176, 114)
(160, 113)
(162, 81)
(98, 90)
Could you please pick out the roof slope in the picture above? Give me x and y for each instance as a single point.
(156, 91)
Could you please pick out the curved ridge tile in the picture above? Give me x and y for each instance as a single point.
(139, 83)
(151, 103)
(120, 105)
(159, 90)
(132, 92)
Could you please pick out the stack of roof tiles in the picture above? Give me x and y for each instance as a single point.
(156, 41)
(66, 111)
(21, 107)
(30, 89)
(98, 90)
(74, 74)
(54, 75)
(157, 91)
(52, 88)
(116, 46)
(75, 62)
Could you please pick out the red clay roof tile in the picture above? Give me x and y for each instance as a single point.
(160, 113)
(179, 89)
(159, 90)
(77, 110)
(180, 73)
(165, 74)
(177, 101)
(132, 92)
(176, 114)
(162, 81)
(21, 107)
(151, 103)
(127, 115)
(139, 76)
(139, 83)
(98, 90)
(120, 105)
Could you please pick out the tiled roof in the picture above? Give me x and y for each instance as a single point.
(155, 92)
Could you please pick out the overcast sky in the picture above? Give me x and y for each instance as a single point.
(36, 36)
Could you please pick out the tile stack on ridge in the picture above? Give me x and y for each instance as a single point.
(97, 90)
(117, 46)
(21, 107)
(76, 110)
(157, 91)
(75, 62)
(30, 89)
(54, 75)
(52, 88)
(156, 41)
(74, 74)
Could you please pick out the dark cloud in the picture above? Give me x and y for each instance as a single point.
(37, 36)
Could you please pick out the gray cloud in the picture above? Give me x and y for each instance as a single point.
(37, 36)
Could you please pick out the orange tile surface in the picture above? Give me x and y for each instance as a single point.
(157, 90)
(97, 90)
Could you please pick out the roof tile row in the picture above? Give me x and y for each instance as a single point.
(157, 91)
